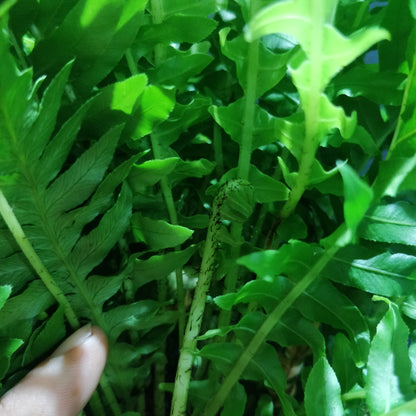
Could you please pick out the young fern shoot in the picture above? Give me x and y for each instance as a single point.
(235, 191)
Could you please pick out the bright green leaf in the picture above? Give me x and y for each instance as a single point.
(27, 304)
(236, 402)
(387, 274)
(178, 28)
(381, 87)
(92, 248)
(76, 184)
(150, 172)
(270, 68)
(388, 377)
(5, 292)
(98, 51)
(51, 333)
(392, 223)
(322, 391)
(155, 105)
(187, 8)
(190, 169)
(158, 234)
(358, 196)
(7, 348)
(343, 363)
(311, 25)
(159, 266)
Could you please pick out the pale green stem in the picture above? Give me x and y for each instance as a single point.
(308, 156)
(311, 110)
(218, 157)
(186, 357)
(158, 16)
(131, 63)
(246, 148)
(409, 84)
(215, 404)
(362, 10)
(353, 395)
(110, 396)
(15, 228)
(160, 53)
(95, 405)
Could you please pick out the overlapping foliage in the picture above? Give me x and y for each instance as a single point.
(233, 177)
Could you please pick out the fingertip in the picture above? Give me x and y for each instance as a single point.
(86, 363)
(63, 384)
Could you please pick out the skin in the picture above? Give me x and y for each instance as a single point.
(63, 384)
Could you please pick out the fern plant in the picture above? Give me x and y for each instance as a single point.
(226, 188)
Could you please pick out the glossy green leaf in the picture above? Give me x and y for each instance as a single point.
(130, 316)
(150, 172)
(98, 51)
(184, 7)
(229, 118)
(295, 258)
(52, 332)
(387, 274)
(76, 184)
(181, 65)
(293, 329)
(91, 249)
(178, 28)
(158, 234)
(7, 348)
(236, 403)
(182, 117)
(103, 288)
(190, 169)
(388, 377)
(381, 87)
(392, 223)
(58, 148)
(393, 53)
(322, 302)
(396, 174)
(322, 391)
(292, 228)
(266, 293)
(266, 188)
(5, 292)
(116, 104)
(343, 363)
(44, 125)
(123, 95)
(265, 406)
(159, 266)
(358, 196)
(332, 116)
(264, 365)
(311, 26)
(27, 304)
(155, 106)
(270, 66)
